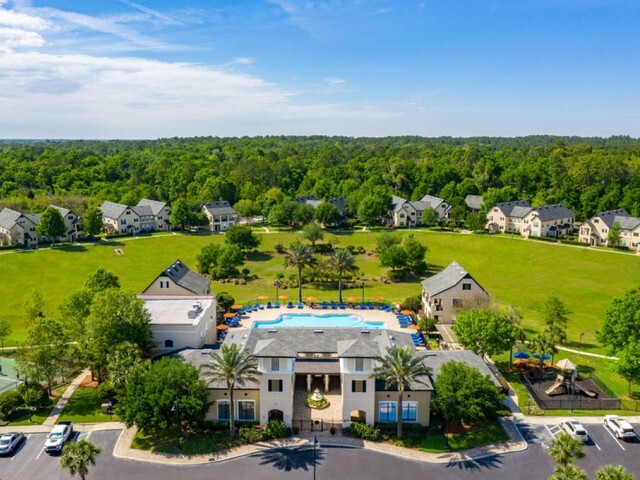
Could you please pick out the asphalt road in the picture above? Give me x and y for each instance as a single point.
(333, 463)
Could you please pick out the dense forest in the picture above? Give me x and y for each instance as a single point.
(586, 174)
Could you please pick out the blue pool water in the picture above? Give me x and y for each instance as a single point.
(331, 320)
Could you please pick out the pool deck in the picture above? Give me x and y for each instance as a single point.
(267, 315)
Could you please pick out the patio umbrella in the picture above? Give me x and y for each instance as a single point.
(566, 364)
(236, 307)
(263, 297)
(413, 327)
(352, 299)
(406, 312)
(544, 357)
(521, 355)
(312, 299)
(284, 297)
(229, 315)
(222, 327)
(378, 299)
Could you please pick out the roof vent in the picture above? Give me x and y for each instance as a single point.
(205, 352)
(318, 331)
(365, 331)
(273, 330)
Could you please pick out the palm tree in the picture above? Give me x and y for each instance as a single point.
(299, 256)
(568, 472)
(233, 367)
(542, 343)
(402, 369)
(609, 472)
(565, 449)
(77, 456)
(342, 261)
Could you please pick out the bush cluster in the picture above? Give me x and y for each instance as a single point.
(363, 431)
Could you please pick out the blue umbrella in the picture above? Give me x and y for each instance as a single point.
(544, 357)
(521, 355)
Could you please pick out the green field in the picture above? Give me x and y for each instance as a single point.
(513, 270)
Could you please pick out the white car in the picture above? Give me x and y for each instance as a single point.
(58, 436)
(619, 427)
(575, 429)
(9, 442)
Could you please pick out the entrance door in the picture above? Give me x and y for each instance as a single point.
(276, 415)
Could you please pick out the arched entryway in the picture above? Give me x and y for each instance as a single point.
(358, 416)
(276, 415)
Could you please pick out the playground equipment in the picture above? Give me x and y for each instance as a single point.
(569, 385)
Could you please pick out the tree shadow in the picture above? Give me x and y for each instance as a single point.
(257, 256)
(70, 248)
(578, 345)
(290, 458)
(491, 462)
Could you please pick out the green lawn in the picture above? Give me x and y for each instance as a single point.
(22, 418)
(84, 407)
(209, 441)
(514, 271)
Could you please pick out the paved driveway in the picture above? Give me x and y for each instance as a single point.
(333, 462)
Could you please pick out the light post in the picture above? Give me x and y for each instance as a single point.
(315, 443)
(363, 291)
(176, 409)
(580, 345)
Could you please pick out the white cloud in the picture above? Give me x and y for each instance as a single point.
(334, 80)
(151, 12)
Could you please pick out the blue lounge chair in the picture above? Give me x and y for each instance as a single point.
(370, 305)
(334, 306)
(362, 306)
(324, 305)
(269, 305)
(290, 305)
(300, 305)
(341, 305)
(260, 307)
(276, 305)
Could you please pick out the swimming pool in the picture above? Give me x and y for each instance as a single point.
(332, 320)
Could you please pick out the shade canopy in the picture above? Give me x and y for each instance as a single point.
(229, 315)
(521, 355)
(566, 364)
(263, 297)
(413, 327)
(378, 298)
(222, 327)
(312, 299)
(546, 356)
(406, 312)
(236, 307)
(352, 299)
(283, 297)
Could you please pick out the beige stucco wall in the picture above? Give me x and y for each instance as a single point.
(184, 334)
(474, 298)
(276, 400)
(497, 216)
(422, 397)
(238, 394)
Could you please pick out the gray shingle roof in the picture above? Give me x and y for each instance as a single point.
(396, 202)
(446, 279)
(519, 211)
(180, 274)
(63, 211)
(609, 216)
(305, 199)
(627, 223)
(156, 207)
(507, 207)
(8, 218)
(432, 200)
(474, 202)
(221, 207)
(112, 210)
(340, 203)
(143, 210)
(34, 217)
(274, 347)
(357, 348)
(434, 359)
(553, 212)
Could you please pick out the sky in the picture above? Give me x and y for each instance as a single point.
(147, 69)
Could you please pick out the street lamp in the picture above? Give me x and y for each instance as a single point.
(363, 291)
(581, 335)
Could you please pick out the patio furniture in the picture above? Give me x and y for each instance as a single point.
(269, 305)
(334, 306)
(341, 305)
(290, 305)
(300, 305)
(276, 305)
(324, 305)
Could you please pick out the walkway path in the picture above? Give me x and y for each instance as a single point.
(62, 402)
(579, 352)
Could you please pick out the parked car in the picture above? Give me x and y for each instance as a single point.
(575, 429)
(10, 441)
(619, 427)
(58, 436)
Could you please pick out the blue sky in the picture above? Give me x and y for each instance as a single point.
(148, 69)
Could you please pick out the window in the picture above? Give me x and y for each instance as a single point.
(387, 412)
(359, 364)
(123, 221)
(223, 410)
(246, 410)
(275, 364)
(456, 303)
(536, 224)
(466, 286)
(358, 386)
(409, 411)
(168, 344)
(128, 212)
(275, 385)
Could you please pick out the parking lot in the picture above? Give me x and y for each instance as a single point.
(30, 462)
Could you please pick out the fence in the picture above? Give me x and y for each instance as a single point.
(316, 425)
(575, 402)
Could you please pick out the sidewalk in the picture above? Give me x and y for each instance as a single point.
(555, 420)
(80, 427)
(62, 402)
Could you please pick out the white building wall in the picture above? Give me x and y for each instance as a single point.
(352, 401)
(276, 400)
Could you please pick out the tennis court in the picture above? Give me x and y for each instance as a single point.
(8, 376)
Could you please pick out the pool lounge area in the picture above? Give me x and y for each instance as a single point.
(332, 320)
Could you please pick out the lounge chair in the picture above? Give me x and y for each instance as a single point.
(290, 305)
(276, 305)
(260, 307)
(334, 306)
(341, 305)
(363, 306)
(269, 305)
(370, 305)
(300, 305)
(324, 305)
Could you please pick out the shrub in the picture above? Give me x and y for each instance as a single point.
(105, 391)
(413, 303)
(351, 223)
(38, 393)
(332, 430)
(9, 402)
(360, 249)
(277, 429)
(280, 248)
(317, 403)
(295, 430)
(363, 431)
(351, 249)
(251, 434)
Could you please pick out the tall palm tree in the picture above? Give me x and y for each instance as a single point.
(401, 368)
(564, 449)
(232, 367)
(609, 472)
(342, 261)
(77, 456)
(299, 256)
(542, 343)
(568, 472)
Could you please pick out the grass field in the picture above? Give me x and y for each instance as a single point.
(514, 271)
(84, 407)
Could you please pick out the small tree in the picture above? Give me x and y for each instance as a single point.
(401, 368)
(415, 254)
(327, 214)
(564, 449)
(555, 317)
(476, 221)
(120, 363)
(181, 214)
(610, 472)
(430, 217)
(464, 394)
(242, 236)
(394, 257)
(621, 322)
(568, 472)
(101, 280)
(613, 239)
(225, 300)
(163, 394)
(51, 224)
(543, 344)
(78, 456)
(302, 213)
(485, 331)
(5, 330)
(234, 368)
(92, 221)
(313, 233)
(628, 365)
(219, 261)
